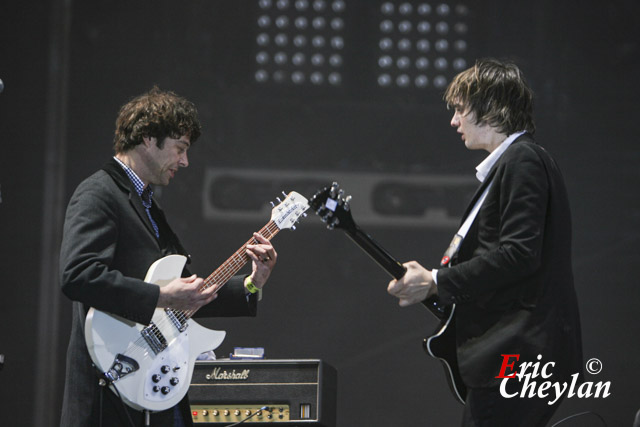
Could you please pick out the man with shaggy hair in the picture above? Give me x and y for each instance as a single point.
(508, 270)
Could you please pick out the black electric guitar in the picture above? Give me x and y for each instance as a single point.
(334, 209)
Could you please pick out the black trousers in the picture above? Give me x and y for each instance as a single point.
(485, 407)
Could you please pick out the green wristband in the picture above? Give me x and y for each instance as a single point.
(248, 283)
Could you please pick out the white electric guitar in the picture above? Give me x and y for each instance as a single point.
(151, 366)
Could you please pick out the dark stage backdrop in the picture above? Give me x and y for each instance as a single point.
(390, 146)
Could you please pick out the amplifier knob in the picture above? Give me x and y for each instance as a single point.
(236, 412)
(247, 412)
(216, 412)
(165, 390)
(226, 412)
(205, 412)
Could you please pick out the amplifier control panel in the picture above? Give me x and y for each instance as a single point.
(236, 413)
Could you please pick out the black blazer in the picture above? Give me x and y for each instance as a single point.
(512, 279)
(108, 245)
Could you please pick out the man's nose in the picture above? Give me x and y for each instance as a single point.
(184, 160)
(455, 120)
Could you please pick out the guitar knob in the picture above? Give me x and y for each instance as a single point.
(165, 369)
(165, 390)
(156, 378)
(174, 381)
(156, 388)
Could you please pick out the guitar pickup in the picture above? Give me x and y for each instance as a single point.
(153, 336)
(178, 319)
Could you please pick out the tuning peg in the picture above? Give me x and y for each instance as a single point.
(278, 199)
(334, 190)
(330, 226)
(347, 203)
(293, 227)
(304, 214)
(340, 197)
(284, 194)
(273, 205)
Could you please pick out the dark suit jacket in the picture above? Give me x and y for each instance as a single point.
(512, 280)
(107, 247)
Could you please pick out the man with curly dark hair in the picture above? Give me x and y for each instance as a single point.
(114, 230)
(508, 270)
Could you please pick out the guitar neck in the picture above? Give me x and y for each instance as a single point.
(393, 267)
(377, 252)
(236, 261)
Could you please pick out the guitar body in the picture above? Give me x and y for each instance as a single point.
(150, 366)
(442, 346)
(117, 348)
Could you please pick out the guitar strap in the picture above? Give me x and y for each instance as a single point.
(454, 246)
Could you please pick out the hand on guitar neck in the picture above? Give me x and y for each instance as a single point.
(412, 283)
(190, 293)
(415, 286)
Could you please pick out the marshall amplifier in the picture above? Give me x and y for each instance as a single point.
(295, 392)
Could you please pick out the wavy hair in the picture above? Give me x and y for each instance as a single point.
(159, 114)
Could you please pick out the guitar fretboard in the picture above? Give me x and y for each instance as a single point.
(235, 262)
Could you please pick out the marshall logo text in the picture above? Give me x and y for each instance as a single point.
(219, 375)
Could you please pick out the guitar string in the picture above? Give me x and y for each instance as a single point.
(229, 268)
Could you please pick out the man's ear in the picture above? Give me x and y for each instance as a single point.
(148, 140)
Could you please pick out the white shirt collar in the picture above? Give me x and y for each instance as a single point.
(482, 170)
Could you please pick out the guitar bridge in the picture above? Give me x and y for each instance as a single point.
(122, 366)
(153, 336)
(178, 319)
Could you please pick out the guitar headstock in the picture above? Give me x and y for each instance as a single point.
(288, 211)
(333, 207)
